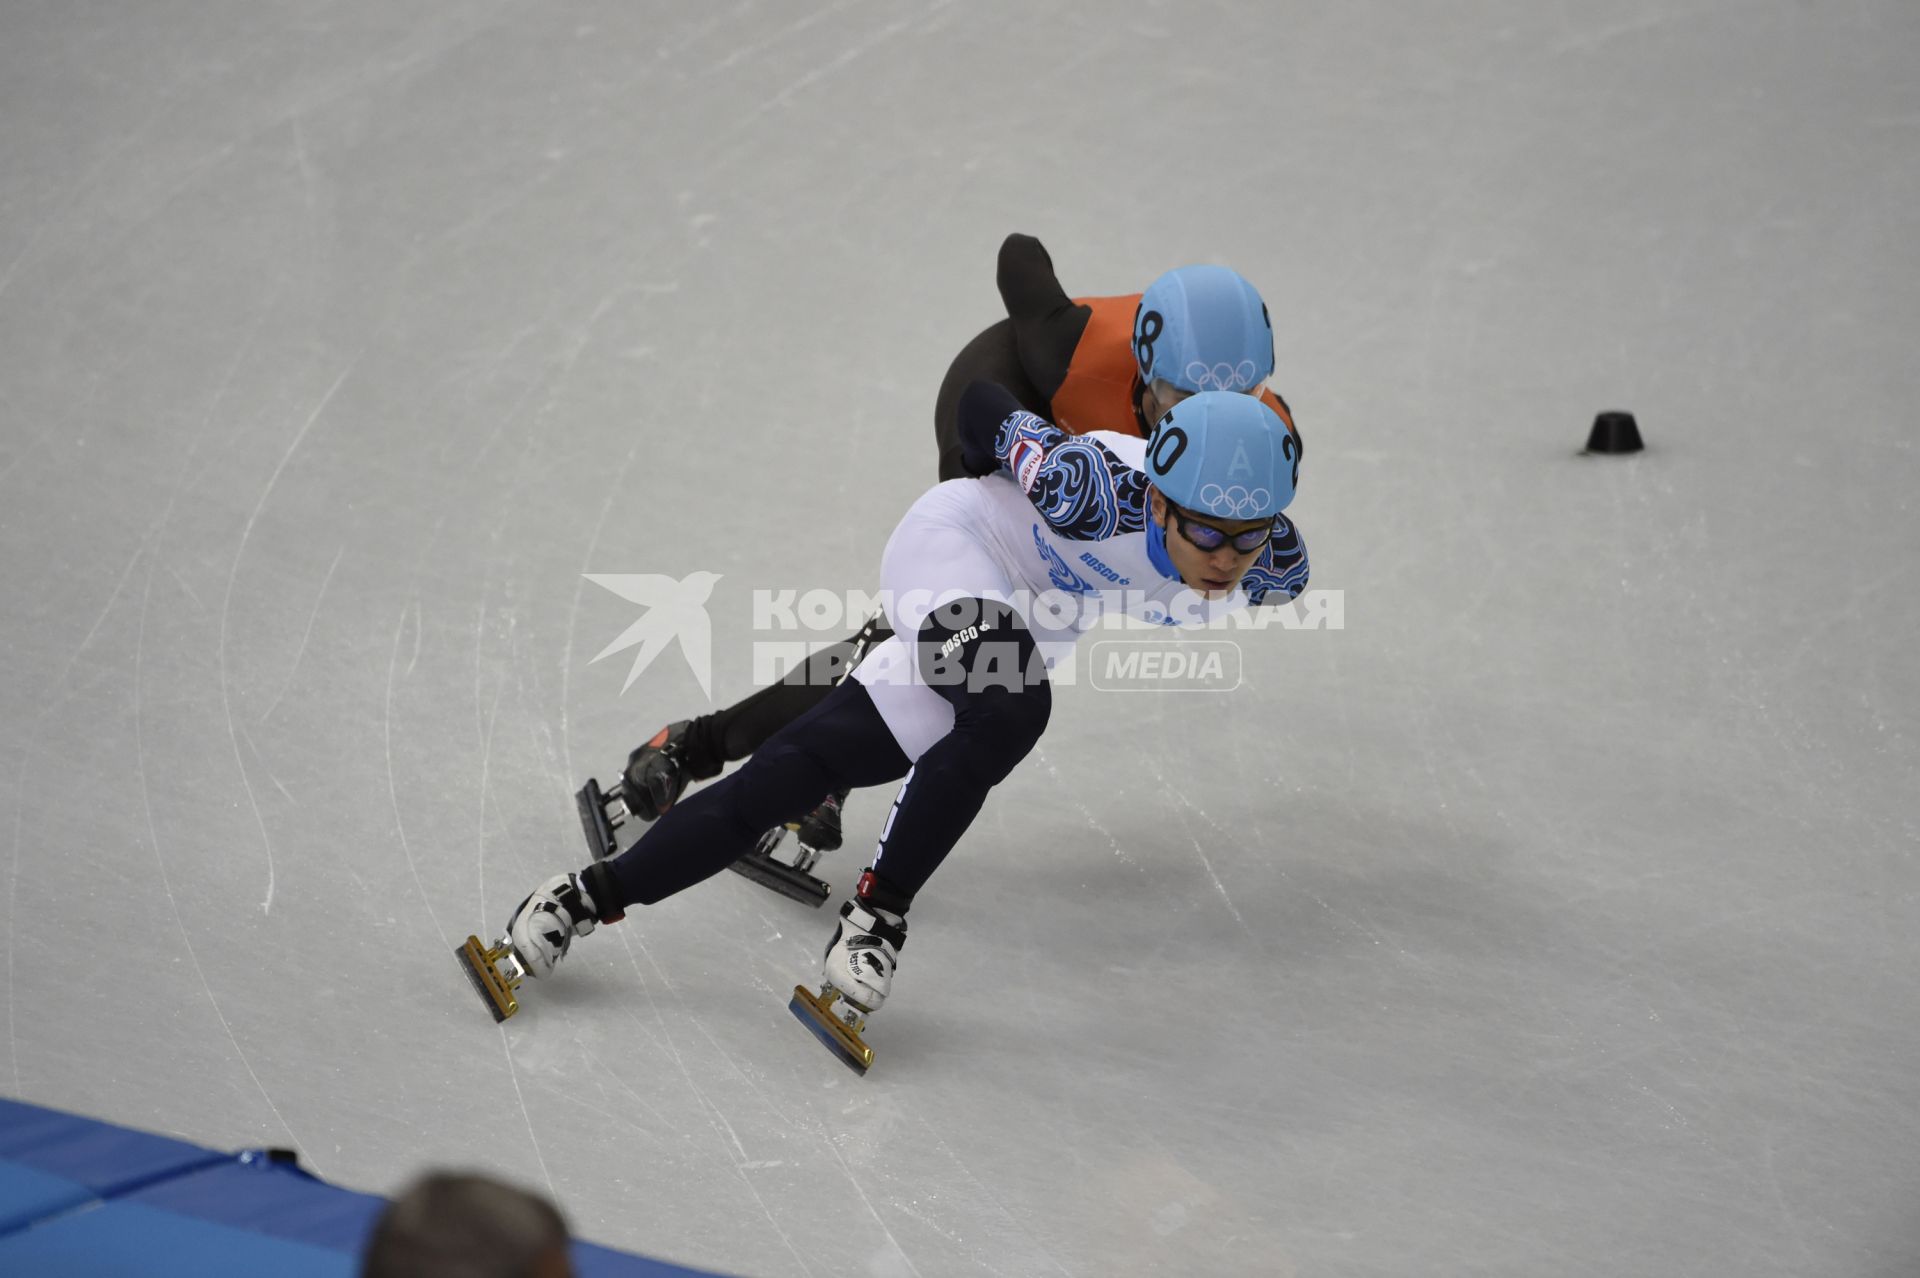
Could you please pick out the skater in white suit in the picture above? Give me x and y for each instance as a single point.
(988, 582)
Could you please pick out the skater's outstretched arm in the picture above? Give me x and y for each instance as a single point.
(1081, 487)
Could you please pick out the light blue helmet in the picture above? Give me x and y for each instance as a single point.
(1224, 454)
(1203, 328)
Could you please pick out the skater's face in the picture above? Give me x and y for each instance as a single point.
(1213, 572)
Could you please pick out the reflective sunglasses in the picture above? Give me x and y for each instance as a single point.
(1206, 537)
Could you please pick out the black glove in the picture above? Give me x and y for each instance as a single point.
(983, 406)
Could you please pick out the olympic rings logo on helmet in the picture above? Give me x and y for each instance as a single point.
(1226, 377)
(1235, 502)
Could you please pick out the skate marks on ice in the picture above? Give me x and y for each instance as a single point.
(1505, 1017)
(306, 634)
(152, 549)
(660, 1025)
(410, 610)
(166, 883)
(226, 610)
(725, 1070)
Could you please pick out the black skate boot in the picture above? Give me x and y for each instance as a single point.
(657, 775)
(657, 772)
(819, 830)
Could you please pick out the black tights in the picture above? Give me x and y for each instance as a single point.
(1001, 703)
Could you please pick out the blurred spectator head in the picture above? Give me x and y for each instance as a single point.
(450, 1225)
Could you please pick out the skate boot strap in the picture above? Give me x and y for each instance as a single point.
(887, 927)
(877, 894)
(597, 879)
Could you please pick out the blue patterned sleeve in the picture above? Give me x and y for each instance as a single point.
(1080, 486)
(1280, 573)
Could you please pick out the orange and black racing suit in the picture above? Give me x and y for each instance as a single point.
(1068, 359)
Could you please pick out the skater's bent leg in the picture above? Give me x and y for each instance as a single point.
(1001, 703)
(841, 743)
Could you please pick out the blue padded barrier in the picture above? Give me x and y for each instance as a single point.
(128, 1240)
(85, 1197)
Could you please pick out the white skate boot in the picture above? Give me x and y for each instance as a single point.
(857, 975)
(860, 958)
(546, 922)
(537, 937)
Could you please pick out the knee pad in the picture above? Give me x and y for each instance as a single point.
(969, 646)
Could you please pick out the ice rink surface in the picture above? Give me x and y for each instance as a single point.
(1559, 915)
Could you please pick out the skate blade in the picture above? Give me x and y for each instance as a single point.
(841, 1039)
(789, 881)
(495, 990)
(593, 820)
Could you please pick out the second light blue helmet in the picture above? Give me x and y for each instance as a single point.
(1224, 454)
(1203, 328)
